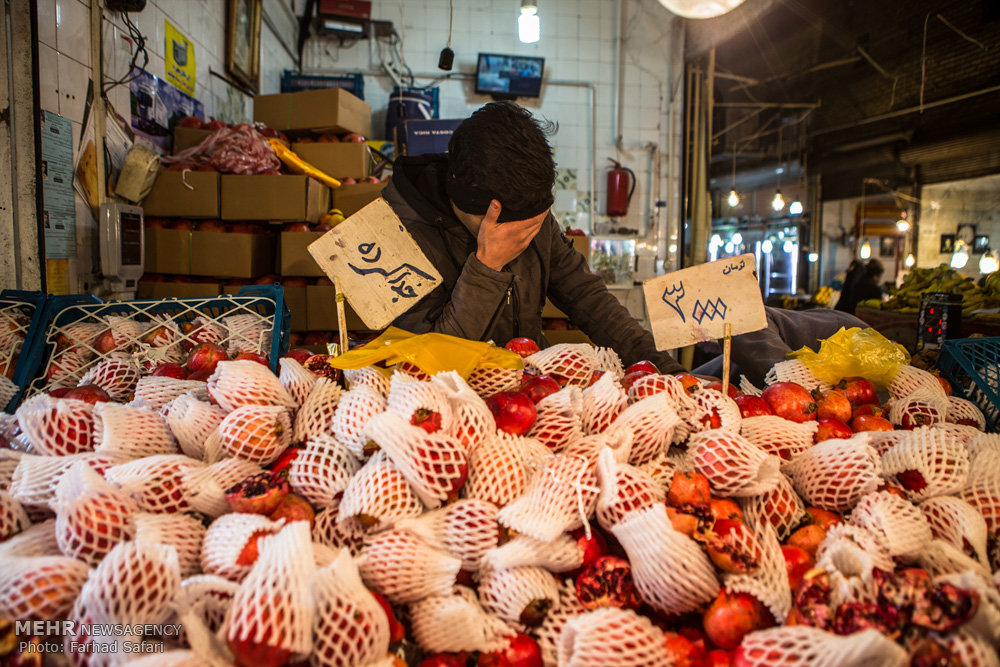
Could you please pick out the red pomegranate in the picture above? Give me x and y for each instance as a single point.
(791, 401)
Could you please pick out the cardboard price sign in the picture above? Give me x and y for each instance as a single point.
(695, 304)
(375, 262)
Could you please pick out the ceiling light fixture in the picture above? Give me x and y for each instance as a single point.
(814, 257)
(701, 9)
(903, 225)
(528, 26)
(778, 202)
(961, 255)
(795, 208)
(866, 250)
(909, 261)
(734, 197)
(989, 262)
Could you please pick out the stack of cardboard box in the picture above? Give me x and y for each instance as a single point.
(555, 324)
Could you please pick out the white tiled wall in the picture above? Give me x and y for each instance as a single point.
(946, 205)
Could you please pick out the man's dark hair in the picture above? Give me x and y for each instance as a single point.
(502, 152)
(874, 269)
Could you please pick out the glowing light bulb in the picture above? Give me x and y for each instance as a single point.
(814, 257)
(766, 246)
(672, 248)
(734, 199)
(961, 256)
(788, 246)
(909, 261)
(989, 263)
(866, 250)
(903, 225)
(778, 202)
(528, 27)
(716, 240)
(729, 248)
(795, 208)
(737, 239)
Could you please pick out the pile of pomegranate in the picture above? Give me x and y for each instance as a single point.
(573, 513)
(15, 319)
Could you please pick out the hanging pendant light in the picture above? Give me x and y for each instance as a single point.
(528, 27)
(734, 197)
(989, 262)
(961, 255)
(909, 261)
(866, 250)
(700, 9)
(778, 202)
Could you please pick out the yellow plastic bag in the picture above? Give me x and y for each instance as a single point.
(430, 352)
(855, 352)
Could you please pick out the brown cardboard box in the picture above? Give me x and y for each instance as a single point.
(186, 137)
(322, 110)
(230, 255)
(168, 251)
(293, 254)
(582, 245)
(352, 198)
(295, 299)
(340, 160)
(191, 194)
(168, 290)
(273, 198)
(322, 310)
(556, 336)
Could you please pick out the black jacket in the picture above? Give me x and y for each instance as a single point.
(478, 303)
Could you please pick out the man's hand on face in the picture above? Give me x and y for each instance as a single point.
(499, 243)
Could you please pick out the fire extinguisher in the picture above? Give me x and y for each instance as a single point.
(619, 192)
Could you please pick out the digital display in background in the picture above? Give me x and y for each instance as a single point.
(509, 75)
(130, 239)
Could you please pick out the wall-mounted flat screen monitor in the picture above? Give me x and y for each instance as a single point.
(506, 76)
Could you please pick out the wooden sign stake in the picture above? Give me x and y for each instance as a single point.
(341, 316)
(726, 351)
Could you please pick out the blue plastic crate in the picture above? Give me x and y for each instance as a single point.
(972, 365)
(266, 325)
(20, 314)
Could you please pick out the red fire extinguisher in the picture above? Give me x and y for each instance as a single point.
(619, 192)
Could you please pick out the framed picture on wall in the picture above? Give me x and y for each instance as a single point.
(243, 42)
(887, 246)
(980, 244)
(947, 244)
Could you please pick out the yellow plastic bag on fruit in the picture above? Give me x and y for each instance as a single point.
(855, 352)
(430, 352)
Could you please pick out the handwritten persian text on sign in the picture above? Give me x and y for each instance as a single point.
(696, 304)
(376, 264)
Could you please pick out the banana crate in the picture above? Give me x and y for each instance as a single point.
(78, 333)
(972, 365)
(20, 314)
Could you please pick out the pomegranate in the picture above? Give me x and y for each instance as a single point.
(242, 228)
(200, 376)
(718, 658)
(791, 401)
(724, 508)
(912, 480)
(693, 523)
(690, 383)
(630, 379)
(870, 410)
(870, 423)
(353, 137)
(299, 354)
(258, 494)
(171, 370)
(732, 616)
(523, 347)
(513, 412)
(944, 607)
(689, 488)
(833, 404)
(105, 343)
(832, 428)
(294, 508)
(89, 393)
(901, 590)
(643, 365)
(297, 227)
(428, 420)
(945, 384)
(592, 547)
(811, 604)
(607, 582)
(319, 364)
(396, 630)
(251, 356)
(858, 390)
(731, 389)
(808, 538)
(522, 651)
(932, 653)
(211, 226)
(445, 659)
(853, 617)
(682, 651)
(823, 518)
(733, 547)
(798, 561)
(752, 406)
(284, 461)
(537, 387)
(205, 357)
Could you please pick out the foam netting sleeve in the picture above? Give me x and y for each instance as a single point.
(661, 469)
(297, 379)
(42, 587)
(274, 605)
(849, 554)
(257, 433)
(805, 646)
(7, 390)
(370, 377)
(509, 593)
(13, 517)
(558, 422)
(403, 568)
(984, 495)
(206, 487)
(38, 539)
(245, 382)
(354, 411)
(92, 516)
(902, 527)
(986, 621)
(329, 530)
(612, 637)
(226, 539)
(650, 385)
(379, 495)
(781, 507)
(941, 557)
(9, 458)
(315, 416)
(435, 464)
(652, 422)
(883, 441)
(923, 407)
(609, 362)
(942, 462)
(322, 470)
(487, 381)
(467, 529)
(624, 489)
(131, 432)
(955, 521)
(960, 432)
(65, 368)
(79, 646)
(473, 422)
(963, 412)
(617, 438)
(57, 426)
(748, 387)
(498, 471)
(172, 658)
(549, 632)
(209, 596)
(779, 436)
(350, 627)
(769, 582)
(247, 332)
(117, 375)
(795, 371)
(562, 554)
(183, 532)
(910, 378)
(603, 401)
(135, 584)
(191, 421)
(456, 622)
(835, 474)
(156, 391)
(560, 497)
(712, 406)
(984, 455)
(734, 466)
(156, 483)
(36, 477)
(671, 572)
(970, 650)
(567, 363)
(407, 397)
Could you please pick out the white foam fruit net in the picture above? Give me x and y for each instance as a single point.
(986, 620)
(562, 554)
(36, 477)
(805, 646)
(57, 426)
(923, 407)
(835, 474)
(781, 437)
(612, 637)
(330, 531)
(849, 554)
(247, 332)
(901, 525)
(617, 438)
(134, 584)
(117, 375)
(795, 371)
(984, 495)
(131, 432)
(781, 507)
(231, 544)
(38, 539)
(322, 470)
(969, 649)
(235, 384)
(956, 521)
(671, 572)
(257, 433)
(64, 369)
(315, 416)
(769, 581)
(652, 421)
(92, 516)
(549, 632)
(414, 401)
(939, 461)
(489, 380)
(40, 587)
(378, 495)
(748, 387)
(624, 489)
(9, 458)
(509, 593)
(963, 412)
(206, 487)
(910, 378)
(984, 456)
(456, 622)
(734, 466)
(350, 627)
(370, 377)
(156, 483)
(87, 611)
(192, 421)
(559, 419)
(567, 363)
(13, 517)
(355, 409)
(498, 471)
(298, 380)
(183, 532)
(405, 569)
(559, 498)
(435, 464)
(603, 401)
(472, 421)
(713, 409)
(274, 607)
(156, 391)
(661, 469)
(467, 529)
(208, 596)
(941, 557)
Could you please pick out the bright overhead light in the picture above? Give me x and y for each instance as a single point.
(700, 9)
(730, 248)
(737, 239)
(961, 256)
(766, 246)
(795, 208)
(903, 225)
(866, 250)
(528, 27)
(716, 240)
(778, 202)
(814, 257)
(989, 263)
(734, 199)
(909, 261)
(788, 246)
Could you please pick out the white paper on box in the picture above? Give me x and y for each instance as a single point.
(695, 304)
(376, 264)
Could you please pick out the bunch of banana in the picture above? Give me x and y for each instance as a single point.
(823, 296)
